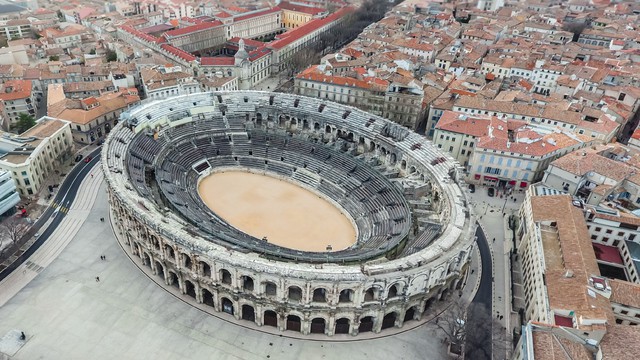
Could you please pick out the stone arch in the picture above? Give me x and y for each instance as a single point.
(392, 158)
(159, 269)
(170, 253)
(372, 294)
(342, 326)
(146, 259)
(389, 320)
(412, 169)
(270, 318)
(294, 323)
(227, 305)
(394, 290)
(410, 314)
(316, 126)
(403, 164)
(207, 298)
(187, 261)
(294, 293)
(189, 288)
(429, 303)
(346, 296)
(366, 324)
(205, 269)
(318, 325)
(172, 279)
(225, 276)
(248, 313)
(247, 283)
(319, 295)
(258, 118)
(327, 129)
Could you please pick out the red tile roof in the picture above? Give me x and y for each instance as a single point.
(295, 34)
(138, 34)
(178, 52)
(371, 83)
(223, 15)
(257, 14)
(258, 53)
(219, 61)
(193, 28)
(607, 253)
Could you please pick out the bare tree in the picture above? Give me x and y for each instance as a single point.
(453, 323)
(12, 230)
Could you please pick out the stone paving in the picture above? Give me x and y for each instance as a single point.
(68, 314)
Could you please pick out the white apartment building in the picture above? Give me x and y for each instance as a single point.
(9, 197)
(15, 29)
(255, 24)
(517, 156)
(32, 156)
(457, 133)
(490, 5)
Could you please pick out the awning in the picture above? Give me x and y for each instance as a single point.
(523, 184)
(490, 178)
(477, 176)
(512, 182)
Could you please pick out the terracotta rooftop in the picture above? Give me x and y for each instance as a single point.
(621, 342)
(285, 5)
(582, 161)
(15, 89)
(192, 29)
(625, 293)
(257, 14)
(45, 128)
(567, 247)
(311, 26)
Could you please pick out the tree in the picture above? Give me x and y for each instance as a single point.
(12, 230)
(54, 58)
(24, 123)
(453, 323)
(92, 52)
(111, 56)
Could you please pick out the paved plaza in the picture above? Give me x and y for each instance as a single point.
(67, 314)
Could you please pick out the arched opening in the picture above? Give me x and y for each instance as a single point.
(317, 326)
(327, 129)
(429, 303)
(305, 125)
(295, 293)
(372, 146)
(173, 280)
(270, 288)
(247, 283)
(371, 294)
(190, 289)
(258, 118)
(227, 306)
(392, 158)
(207, 297)
(248, 313)
(155, 242)
(281, 121)
(159, 269)
(410, 314)
(205, 268)
(342, 326)
(293, 323)
(187, 261)
(389, 320)
(316, 126)
(393, 291)
(346, 296)
(403, 164)
(320, 295)
(366, 324)
(146, 260)
(225, 275)
(412, 170)
(444, 294)
(171, 255)
(270, 318)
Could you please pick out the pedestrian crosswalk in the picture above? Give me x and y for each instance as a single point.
(60, 207)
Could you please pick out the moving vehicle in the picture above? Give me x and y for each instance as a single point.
(87, 159)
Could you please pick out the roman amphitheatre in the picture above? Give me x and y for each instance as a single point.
(288, 212)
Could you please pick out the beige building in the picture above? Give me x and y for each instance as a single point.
(32, 156)
(160, 82)
(17, 97)
(457, 133)
(91, 118)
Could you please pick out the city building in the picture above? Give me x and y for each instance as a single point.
(33, 156)
(295, 15)
(9, 196)
(17, 98)
(160, 82)
(91, 118)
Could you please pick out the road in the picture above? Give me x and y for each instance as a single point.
(57, 210)
(479, 318)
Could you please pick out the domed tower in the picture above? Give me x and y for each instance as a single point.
(244, 67)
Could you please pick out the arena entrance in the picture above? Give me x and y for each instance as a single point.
(227, 306)
(293, 323)
(270, 318)
(248, 313)
(317, 326)
(366, 324)
(342, 326)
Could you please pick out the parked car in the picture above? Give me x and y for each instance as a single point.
(87, 159)
(78, 157)
(491, 192)
(472, 188)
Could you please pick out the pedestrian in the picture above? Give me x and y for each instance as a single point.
(472, 271)
(22, 335)
(97, 278)
(101, 219)
(104, 257)
(494, 239)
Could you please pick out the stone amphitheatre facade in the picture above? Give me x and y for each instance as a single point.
(414, 228)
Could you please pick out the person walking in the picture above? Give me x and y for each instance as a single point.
(97, 278)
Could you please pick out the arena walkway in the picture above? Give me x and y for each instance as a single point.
(67, 314)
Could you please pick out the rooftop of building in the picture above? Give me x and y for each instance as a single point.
(15, 89)
(569, 259)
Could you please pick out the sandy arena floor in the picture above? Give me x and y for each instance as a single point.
(288, 215)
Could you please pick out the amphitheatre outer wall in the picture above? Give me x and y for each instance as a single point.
(349, 297)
